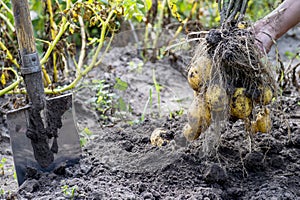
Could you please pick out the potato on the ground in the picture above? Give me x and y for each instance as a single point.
(157, 139)
(263, 121)
(216, 98)
(199, 73)
(265, 96)
(240, 104)
(199, 118)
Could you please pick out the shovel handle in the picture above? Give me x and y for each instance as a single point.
(31, 68)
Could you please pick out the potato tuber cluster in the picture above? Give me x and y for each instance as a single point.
(229, 79)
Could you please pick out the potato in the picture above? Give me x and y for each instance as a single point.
(156, 137)
(199, 118)
(263, 121)
(199, 73)
(189, 133)
(265, 96)
(240, 104)
(216, 98)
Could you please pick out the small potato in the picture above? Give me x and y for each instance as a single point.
(263, 121)
(199, 117)
(240, 104)
(156, 137)
(216, 98)
(199, 73)
(265, 96)
(189, 133)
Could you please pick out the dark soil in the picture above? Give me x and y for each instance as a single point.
(119, 162)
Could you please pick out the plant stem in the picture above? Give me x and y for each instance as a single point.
(108, 45)
(159, 23)
(62, 29)
(13, 85)
(93, 62)
(46, 75)
(6, 8)
(83, 45)
(9, 55)
(157, 88)
(53, 30)
(9, 24)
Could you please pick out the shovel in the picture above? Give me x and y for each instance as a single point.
(43, 134)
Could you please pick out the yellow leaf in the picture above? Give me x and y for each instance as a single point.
(3, 79)
(174, 10)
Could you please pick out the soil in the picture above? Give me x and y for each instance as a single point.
(119, 162)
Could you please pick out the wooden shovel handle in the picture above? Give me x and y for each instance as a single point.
(23, 26)
(26, 41)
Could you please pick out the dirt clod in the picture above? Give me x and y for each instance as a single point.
(215, 174)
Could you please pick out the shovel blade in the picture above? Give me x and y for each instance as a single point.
(68, 144)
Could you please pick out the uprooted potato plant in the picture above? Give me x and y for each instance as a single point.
(231, 80)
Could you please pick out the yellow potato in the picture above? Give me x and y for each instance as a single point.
(263, 121)
(156, 138)
(199, 117)
(266, 95)
(253, 127)
(216, 98)
(189, 133)
(199, 73)
(240, 104)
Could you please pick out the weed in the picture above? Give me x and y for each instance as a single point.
(103, 100)
(85, 136)
(69, 192)
(158, 88)
(176, 113)
(2, 162)
(149, 101)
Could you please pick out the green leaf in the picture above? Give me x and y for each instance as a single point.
(122, 105)
(148, 5)
(83, 142)
(87, 131)
(3, 160)
(120, 85)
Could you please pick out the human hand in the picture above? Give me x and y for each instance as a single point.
(264, 36)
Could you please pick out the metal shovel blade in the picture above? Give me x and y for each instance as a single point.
(58, 113)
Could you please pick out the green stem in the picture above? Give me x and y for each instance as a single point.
(159, 23)
(9, 55)
(62, 29)
(6, 8)
(13, 85)
(83, 44)
(9, 24)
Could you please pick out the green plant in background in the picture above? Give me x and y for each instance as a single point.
(106, 100)
(179, 112)
(69, 192)
(85, 136)
(158, 88)
(2, 163)
(257, 9)
(104, 97)
(149, 101)
(121, 104)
